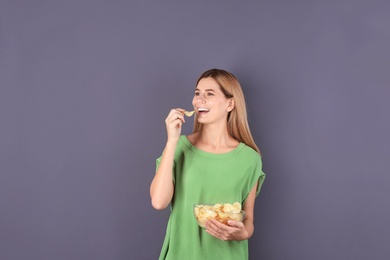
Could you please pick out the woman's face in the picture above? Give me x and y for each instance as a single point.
(210, 104)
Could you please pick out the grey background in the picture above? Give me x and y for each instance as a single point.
(86, 86)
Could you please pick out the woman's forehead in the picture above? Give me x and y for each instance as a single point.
(207, 83)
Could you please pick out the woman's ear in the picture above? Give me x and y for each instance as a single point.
(231, 105)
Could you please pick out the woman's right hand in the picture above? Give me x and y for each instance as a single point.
(173, 123)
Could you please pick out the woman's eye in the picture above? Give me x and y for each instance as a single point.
(210, 94)
(196, 93)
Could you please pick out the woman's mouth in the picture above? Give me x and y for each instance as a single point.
(202, 111)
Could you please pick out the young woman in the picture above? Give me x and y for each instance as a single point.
(218, 162)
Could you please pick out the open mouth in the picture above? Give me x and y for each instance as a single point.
(202, 111)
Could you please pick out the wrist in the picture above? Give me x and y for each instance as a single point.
(172, 142)
(173, 139)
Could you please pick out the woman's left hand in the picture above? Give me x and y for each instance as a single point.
(235, 230)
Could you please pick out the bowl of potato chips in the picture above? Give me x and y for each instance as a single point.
(222, 212)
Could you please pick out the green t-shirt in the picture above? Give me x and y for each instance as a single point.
(202, 177)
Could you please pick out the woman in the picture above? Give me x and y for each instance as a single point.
(218, 162)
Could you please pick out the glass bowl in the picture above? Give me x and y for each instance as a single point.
(222, 212)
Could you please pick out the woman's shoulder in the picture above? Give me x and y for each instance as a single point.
(191, 137)
(250, 152)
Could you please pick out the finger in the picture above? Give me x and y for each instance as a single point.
(236, 224)
(181, 117)
(216, 226)
(177, 113)
(174, 116)
(214, 223)
(173, 122)
(178, 119)
(179, 124)
(213, 228)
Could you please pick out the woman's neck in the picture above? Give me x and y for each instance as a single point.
(213, 139)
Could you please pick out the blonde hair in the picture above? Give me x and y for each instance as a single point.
(237, 124)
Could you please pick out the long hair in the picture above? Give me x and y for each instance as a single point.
(237, 121)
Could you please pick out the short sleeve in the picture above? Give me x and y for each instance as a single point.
(256, 176)
(158, 161)
(260, 182)
(259, 176)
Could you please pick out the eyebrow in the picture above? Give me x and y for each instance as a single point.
(209, 89)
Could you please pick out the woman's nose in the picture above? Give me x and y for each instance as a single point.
(200, 99)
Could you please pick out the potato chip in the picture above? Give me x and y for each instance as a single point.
(217, 207)
(227, 207)
(220, 212)
(189, 113)
(237, 205)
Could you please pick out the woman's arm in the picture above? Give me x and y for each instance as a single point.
(161, 188)
(249, 208)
